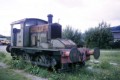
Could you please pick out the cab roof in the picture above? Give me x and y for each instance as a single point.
(26, 19)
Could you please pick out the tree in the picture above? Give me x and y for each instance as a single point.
(74, 35)
(100, 36)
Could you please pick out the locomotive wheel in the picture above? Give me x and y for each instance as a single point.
(14, 56)
(45, 60)
(42, 60)
(26, 57)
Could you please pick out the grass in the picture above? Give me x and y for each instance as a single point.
(111, 56)
(102, 71)
(2, 55)
(7, 74)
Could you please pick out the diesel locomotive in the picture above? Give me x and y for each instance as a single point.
(41, 43)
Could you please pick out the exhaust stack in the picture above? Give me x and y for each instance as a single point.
(50, 16)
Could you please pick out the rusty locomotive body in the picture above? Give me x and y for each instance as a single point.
(41, 42)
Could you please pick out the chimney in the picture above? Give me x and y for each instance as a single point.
(50, 18)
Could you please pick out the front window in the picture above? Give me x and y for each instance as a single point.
(30, 23)
(17, 26)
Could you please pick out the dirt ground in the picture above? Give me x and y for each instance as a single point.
(29, 76)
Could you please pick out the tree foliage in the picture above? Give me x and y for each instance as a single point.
(115, 44)
(74, 35)
(100, 36)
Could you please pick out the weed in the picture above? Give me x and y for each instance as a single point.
(2, 55)
(18, 64)
(104, 65)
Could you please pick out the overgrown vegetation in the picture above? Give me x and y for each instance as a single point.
(115, 44)
(100, 36)
(74, 35)
(102, 71)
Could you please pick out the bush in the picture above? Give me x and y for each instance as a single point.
(115, 44)
(74, 35)
(100, 36)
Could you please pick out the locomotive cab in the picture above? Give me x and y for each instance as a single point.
(20, 31)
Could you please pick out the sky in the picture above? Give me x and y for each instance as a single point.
(80, 14)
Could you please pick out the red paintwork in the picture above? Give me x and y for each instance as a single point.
(66, 52)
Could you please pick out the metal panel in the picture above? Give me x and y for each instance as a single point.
(57, 44)
(41, 38)
(39, 28)
(22, 25)
(34, 40)
(44, 45)
(11, 35)
(19, 39)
